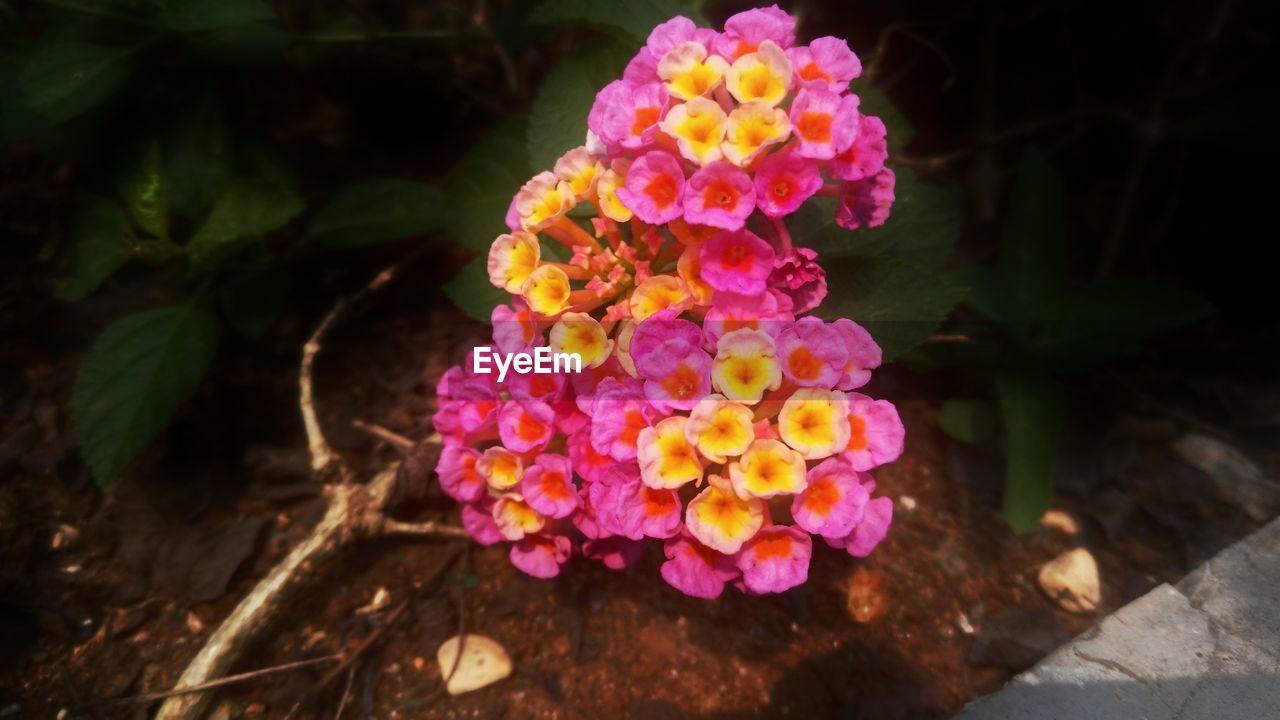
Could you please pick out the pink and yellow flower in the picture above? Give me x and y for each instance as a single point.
(667, 459)
(547, 290)
(695, 569)
(768, 468)
(784, 180)
(542, 200)
(746, 365)
(719, 428)
(825, 63)
(751, 129)
(720, 519)
(515, 518)
(676, 31)
(719, 195)
(579, 169)
(581, 334)
(512, 259)
(812, 353)
(658, 293)
(607, 191)
(698, 128)
(618, 413)
(761, 76)
(826, 123)
(689, 268)
(815, 422)
(654, 186)
(690, 72)
(776, 559)
(736, 261)
(875, 432)
(500, 468)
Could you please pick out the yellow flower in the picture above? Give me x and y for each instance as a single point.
(512, 258)
(547, 290)
(761, 76)
(746, 365)
(815, 422)
(752, 127)
(666, 458)
(582, 334)
(689, 72)
(719, 428)
(698, 127)
(768, 468)
(658, 293)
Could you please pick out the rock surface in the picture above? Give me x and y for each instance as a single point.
(483, 662)
(1071, 580)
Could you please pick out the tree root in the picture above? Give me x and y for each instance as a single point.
(355, 512)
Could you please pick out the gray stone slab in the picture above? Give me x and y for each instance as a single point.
(1240, 588)
(1158, 658)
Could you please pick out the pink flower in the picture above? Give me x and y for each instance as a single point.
(827, 63)
(526, 425)
(661, 342)
(632, 120)
(625, 506)
(643, 68)
(825, 123)
(456, 469)
(548, 487)
(744, 32)
(619, 413)
(719, 195)
(477, 520)
(784, 180)
(677, 31)
(695, 569)
(514, 326)
(797, 275)
(617, 553)
(737, 262)
(687, 383)
(732, 311)
(832, 504)
(586, 461)
(876, 518)
(536, 386)
(609, 97)
(775, 559)
(875, 432)
(541, 555)
(864, 354)
(654, 187)
(812, 353)
(866, 156)
(866, 202)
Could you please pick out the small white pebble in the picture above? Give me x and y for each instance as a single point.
(907, 503)
(963, 623)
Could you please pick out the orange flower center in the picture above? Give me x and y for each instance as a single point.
(813, 71)
(804, 364)
(681, 384)
(857, 433)
(770, 547)
(554, 486)
(644, 119)
(721, 194)
(661, 189)
(823, 495)
(815, 126)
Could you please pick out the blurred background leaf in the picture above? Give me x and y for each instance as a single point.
(378, 211)
(1033, 411)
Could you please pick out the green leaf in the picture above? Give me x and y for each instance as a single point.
(246, 209)
(1101, 322)
(194, 16)
(967, 420)
(1033, 409)
(252, 301)
(378, 211)
(484, 183)
(472, 292)
(631, 20)
(144, 194)
(923, 227)
(898, 129)
(134, 377)
(101, 243)
(63, 80)
(897, 302)
(1032, 257)
(559, 120)
(197, 155)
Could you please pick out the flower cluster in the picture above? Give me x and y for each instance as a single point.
(710, 413)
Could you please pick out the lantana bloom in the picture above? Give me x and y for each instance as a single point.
(712, 415)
